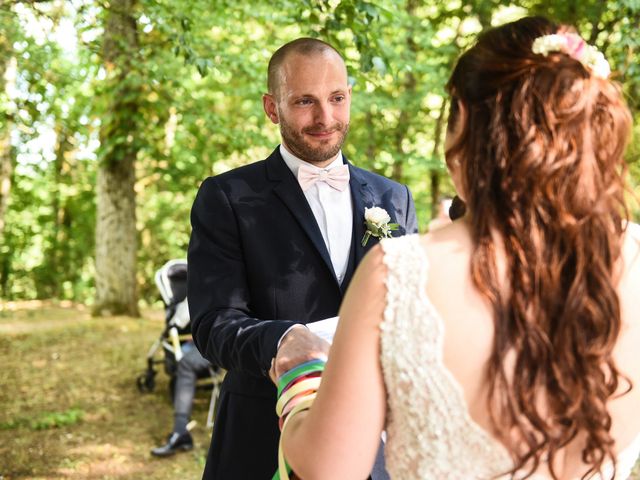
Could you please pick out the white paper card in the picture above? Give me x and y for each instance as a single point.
(325, 329)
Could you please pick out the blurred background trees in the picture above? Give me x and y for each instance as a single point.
(113, 111)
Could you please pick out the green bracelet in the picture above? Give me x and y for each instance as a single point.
(299, 370)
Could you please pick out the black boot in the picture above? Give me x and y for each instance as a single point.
(175, 443)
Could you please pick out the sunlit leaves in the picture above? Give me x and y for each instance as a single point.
(195, 89)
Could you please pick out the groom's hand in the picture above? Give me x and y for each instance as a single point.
(299, 345)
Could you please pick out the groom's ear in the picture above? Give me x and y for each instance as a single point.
(269, 105)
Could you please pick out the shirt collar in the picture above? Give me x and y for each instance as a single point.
(294, 162)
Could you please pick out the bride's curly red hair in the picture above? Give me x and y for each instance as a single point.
(540, 152)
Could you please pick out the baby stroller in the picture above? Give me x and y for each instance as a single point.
(171, 280)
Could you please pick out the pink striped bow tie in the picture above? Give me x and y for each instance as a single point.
(337, 177)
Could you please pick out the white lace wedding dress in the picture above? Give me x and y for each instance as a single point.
(430, 434)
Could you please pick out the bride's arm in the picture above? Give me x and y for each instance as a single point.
(338, 438)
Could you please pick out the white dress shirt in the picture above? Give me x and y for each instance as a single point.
(332, 210)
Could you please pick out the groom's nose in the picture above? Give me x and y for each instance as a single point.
(323, 113)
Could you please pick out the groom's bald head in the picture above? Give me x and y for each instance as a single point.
(302, 46)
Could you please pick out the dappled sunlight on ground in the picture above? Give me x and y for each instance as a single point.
(104, 460)
(20, 317)
(70, 405)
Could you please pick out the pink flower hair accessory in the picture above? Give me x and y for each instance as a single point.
(573, 45)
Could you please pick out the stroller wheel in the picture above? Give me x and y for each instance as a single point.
(146, 382)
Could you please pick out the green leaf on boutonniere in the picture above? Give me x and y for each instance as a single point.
(377, 222)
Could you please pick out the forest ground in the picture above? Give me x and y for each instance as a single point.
(69, 405)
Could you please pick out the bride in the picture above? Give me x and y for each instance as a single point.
(505, 344)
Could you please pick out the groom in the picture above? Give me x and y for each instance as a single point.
(274, 246)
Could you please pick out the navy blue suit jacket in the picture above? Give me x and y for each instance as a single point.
(257, 266)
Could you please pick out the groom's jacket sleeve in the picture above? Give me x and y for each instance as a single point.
(222, 324)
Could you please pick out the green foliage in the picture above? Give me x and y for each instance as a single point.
(191, 107)
(46, 420)
(51, 218)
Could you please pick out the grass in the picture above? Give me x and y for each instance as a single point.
(69, 405)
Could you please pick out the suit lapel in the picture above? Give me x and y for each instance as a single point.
(290, 193)
(361, 195)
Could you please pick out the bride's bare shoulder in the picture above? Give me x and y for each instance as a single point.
(448, 243)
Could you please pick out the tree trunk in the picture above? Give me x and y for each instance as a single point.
(6, 170)
(116, 236)
(435, 173)
(7, 82)
(410, 83)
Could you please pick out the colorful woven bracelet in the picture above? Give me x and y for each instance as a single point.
(300, 378)
(292, 405)
(316, 365)
(283, 467)
(300, 387)
(297, 389)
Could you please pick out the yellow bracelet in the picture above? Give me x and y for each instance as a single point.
(303, 405)
(303, 386)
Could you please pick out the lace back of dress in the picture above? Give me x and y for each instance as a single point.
(429, 432)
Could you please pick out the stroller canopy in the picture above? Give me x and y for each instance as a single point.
(171, 280)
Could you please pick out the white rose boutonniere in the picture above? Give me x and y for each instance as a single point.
(377, 221)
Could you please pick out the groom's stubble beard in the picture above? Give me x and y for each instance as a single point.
(300, 148)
